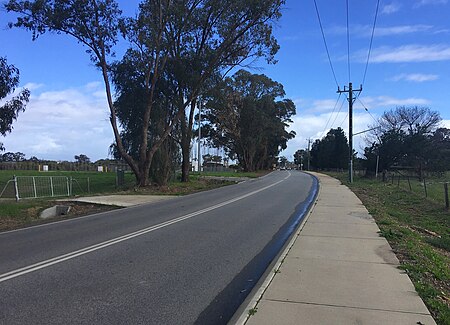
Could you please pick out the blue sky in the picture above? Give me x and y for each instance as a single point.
(409, 65)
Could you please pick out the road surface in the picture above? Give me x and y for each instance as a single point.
(189, 260)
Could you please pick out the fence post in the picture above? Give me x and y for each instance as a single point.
(71, 186)
(88, 186)
(16, 188)
(68, 188)
(425, 187)
(446, 195)
(51, 185)
(398, 182)
(34, 188)
(409, 183)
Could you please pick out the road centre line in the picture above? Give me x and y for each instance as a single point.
(59, 259)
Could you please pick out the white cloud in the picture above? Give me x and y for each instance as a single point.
(310, 126)
(317, 117)
(33, 86)
(409, 53)
(366, 30)
(415, 77)
(322, 105)
(60, 124)
(388, 102)
(421, 3)
(400, 30)
(445, 123)
(390, 8)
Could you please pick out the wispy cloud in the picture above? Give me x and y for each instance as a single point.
(400, 30)
(388, 102)
(390, 8)
(415, 77)
(322, 105)
(421, 3)
(409, 53)
(366, 30)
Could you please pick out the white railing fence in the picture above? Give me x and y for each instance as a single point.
(33, 187)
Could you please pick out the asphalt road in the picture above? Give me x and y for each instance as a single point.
(192, 259)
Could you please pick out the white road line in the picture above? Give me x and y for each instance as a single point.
(59, 259)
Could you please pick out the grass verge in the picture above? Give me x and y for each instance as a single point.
(418, 231)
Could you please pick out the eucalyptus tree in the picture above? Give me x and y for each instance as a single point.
(248, 116)
(330, 152)
(405, 138)
(168, 37)
(9, 111)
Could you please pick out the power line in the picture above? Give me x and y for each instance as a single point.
(348, 44)
(367, 110)
(325, 42)
(334, 108)
(340, 108)
(371, 41)
(345, 119)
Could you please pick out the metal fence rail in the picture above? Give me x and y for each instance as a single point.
(27, 187)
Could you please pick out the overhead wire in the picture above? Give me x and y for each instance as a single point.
(345, 119)
(367, 110)
(371, 41)
(348, 43)
(325, 42)
(331, 115)
(337, 114)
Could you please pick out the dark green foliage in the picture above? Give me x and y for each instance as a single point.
(246, 119)
(409, 137)
(9, 81)
(331, 152)
(82, 159)
(12, 157)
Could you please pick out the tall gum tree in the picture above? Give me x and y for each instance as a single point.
(210, 35)
(247, 118)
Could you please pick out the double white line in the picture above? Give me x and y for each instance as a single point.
(59, 259)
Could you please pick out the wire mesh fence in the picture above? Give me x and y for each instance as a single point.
(33, 186)
(435, 189)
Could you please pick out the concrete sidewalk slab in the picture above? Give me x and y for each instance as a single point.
(294, 314)
(339, 271)
(343, 249)
(123, 200)
(345, 283)
(349, 230)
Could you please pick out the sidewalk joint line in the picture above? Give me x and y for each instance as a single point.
(351, 307)
(346, 237)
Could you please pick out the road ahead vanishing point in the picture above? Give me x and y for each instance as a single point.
(192, 259)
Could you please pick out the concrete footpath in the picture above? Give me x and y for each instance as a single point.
(122, 200)
(337, 270)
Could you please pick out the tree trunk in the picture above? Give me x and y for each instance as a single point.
(185, 151)
(186, 136)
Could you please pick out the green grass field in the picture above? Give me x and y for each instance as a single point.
(418, 230)
(26, 211)
(84, 183)
(432, 188)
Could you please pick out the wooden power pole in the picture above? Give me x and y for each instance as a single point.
(351, 100)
